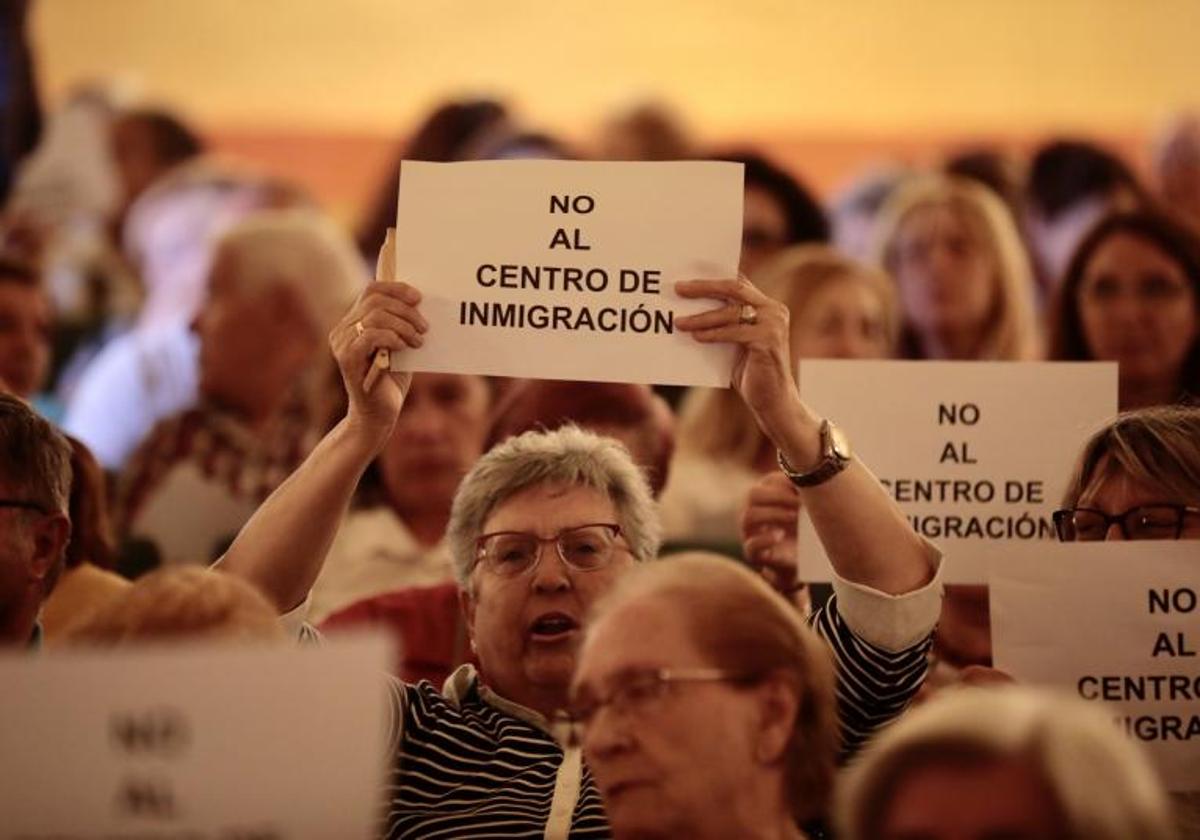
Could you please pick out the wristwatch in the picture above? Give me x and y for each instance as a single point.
(835, 455)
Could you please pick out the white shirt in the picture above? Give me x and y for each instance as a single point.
(375, 552)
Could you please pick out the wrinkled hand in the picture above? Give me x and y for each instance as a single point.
(384, 318)
(768, 525)
(762, 373)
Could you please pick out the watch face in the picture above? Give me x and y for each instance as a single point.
(839, 442)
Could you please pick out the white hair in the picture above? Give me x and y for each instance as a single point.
(568, 455)
(1102, 783)
(300, 249)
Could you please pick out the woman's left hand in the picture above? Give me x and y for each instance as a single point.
(758, 324)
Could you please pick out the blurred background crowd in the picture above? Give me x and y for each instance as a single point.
(171, 262)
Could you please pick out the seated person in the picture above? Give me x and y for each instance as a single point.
(392, 537)
(427, 619)
(87, 582)
(25, 323)
(1136, 478)
(278, 283)
(540, 528)
(1003, 762)
(840, 309)
(149, 372)
(35, 484)
(963, 278)
(1131, 295)
(726, 726)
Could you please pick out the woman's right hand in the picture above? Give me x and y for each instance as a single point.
(385, 317)
(768, 524)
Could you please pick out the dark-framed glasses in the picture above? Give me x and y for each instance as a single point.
(638, 696)
(583, 548)
(1144, 522)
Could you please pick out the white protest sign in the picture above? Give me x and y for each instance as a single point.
(565, 269)
(977, 454)
(209, 743)
(1111, 622)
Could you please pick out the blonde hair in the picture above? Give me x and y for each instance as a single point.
(1157, 447)
(1012, 331)
(742, 625)
(1102, 784)
(716, 422)
(181, 603)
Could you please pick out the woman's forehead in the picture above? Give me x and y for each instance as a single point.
(1110, 484)
(616, 640)
(549, 507)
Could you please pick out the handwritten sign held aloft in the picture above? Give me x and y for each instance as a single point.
(253, 743)
(1117, 623)
(566, 269)
(977, 454)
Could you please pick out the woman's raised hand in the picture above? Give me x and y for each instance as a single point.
(758, 324)
(384, 318)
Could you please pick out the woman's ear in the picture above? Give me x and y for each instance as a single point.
(779, 704)
(466, 604)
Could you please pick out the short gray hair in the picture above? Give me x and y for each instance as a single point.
(35, 458)
(567, 455)
(1100, 780)
(303, 250)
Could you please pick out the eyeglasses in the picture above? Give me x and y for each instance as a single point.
(1144, 522)
(637, 697)
(583, 548)
(23, 505)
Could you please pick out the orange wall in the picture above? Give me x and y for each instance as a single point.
(318, 89)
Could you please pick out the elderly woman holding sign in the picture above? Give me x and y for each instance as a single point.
(541, 527)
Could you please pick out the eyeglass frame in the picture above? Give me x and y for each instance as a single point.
(613, 527)
(1060, 516)
(570, 724)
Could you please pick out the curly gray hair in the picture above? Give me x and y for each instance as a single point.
(567, 455)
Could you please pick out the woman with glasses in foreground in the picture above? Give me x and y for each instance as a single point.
(545, 524)
(725, 726)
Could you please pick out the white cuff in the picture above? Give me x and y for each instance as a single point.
(892, 622)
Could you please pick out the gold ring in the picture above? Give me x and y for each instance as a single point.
(747, 314)
(358, 328)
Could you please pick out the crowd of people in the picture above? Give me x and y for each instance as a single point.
(195, 441)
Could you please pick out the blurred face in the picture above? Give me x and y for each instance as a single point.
(671, 759)
(24, 338)
(764, 229)
(1116, 492)
(440, 433)
(243, 340)
(945, 274)
(1138, 308)
(527, 629)
(31, 543)
(1004, 799)
(16, 553)
(843, 320)
(135, 156)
